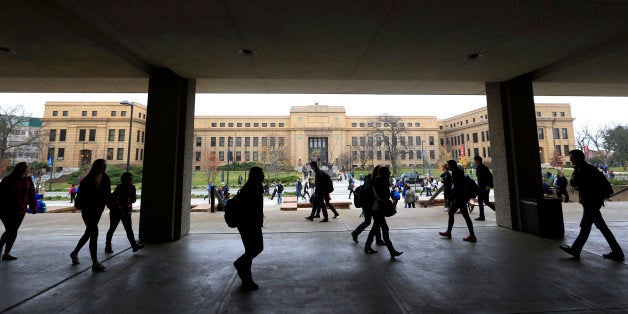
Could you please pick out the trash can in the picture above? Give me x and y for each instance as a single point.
(543, 217)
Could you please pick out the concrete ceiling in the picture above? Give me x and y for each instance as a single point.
(574, 47)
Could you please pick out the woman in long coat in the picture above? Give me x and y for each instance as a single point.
(17, 193)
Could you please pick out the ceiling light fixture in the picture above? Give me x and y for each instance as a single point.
(247, 52)
(474, 56)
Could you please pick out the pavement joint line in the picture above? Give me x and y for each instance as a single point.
(44, 290)
(223, 300)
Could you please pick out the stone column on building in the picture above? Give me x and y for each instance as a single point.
(514, 148)
(167, 175)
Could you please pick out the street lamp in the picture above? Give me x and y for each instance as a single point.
(51, 164)
(128, 153)
(423, 157)
(350, 157)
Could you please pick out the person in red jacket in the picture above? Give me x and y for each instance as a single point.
(17, 193)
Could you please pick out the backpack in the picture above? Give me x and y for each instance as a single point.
(232, 211)
(470, 188)
(330, 184)
(357, 196)
(605, 189)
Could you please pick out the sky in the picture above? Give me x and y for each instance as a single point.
(592, 112)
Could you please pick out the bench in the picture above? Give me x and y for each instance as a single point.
(288, 206)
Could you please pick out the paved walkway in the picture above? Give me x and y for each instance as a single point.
(314, 267)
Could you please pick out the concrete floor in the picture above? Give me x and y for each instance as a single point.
(314, 267)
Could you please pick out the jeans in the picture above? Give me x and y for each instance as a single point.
(114, 219)
(592, 215)
(253, 245)
(279, 198)
(318, 204)
(379, 222)
(11, 225)
(482, 199)
(453, 208)
(91, 217)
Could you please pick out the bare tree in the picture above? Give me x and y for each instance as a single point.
(389, 130)
(597, 139)
(211, 165)
(13, 134)
(275, 156)
(582, 138)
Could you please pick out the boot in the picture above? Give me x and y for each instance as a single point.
(393, 253)
(367, 247)
(108, 248)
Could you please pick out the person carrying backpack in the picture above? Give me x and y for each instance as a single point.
(322, 188)
(120, 209)
(458, 202)
(485, 183)
(367, 198)
(250, 221)
(592, 188)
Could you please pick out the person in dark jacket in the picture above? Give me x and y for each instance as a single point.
(120, 209)
(381, 191)
(94, 193)
(446, 180)
(367, 204)
(458, 202)
(560, 183)
(485, 183)
(17, 193)
(588, 181)
(321, 180)
(250, 226)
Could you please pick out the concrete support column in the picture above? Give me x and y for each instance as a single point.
(167, 178)
(514, 148)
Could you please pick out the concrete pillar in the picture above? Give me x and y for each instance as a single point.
(514, 148)
(167, 177)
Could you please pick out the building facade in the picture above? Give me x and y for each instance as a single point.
(23, 139)
(467, 135)
(79, 132)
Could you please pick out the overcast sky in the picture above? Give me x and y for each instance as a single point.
(591, 111)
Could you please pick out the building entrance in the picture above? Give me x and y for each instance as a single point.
(318, 150)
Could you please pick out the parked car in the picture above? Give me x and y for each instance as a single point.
(410, 177)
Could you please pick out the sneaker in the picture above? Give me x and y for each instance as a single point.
(369, 250)
(108, 248)
(470, 238)
(336, 216)
(354, 237)
(98, 267)
(310, 218)
(445, 234)
(480, 219)
(394, 254)
(137, 247)
(8, 257)
(74, 257)
(617, 256)
(324, 220)
(569, 250)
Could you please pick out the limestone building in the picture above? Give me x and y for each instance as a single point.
(77, 133)
(467, 134)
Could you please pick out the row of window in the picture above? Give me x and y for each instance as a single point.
(379, 124)
(486, 152)
(562, 114)
(368, 141)
(459, 123)
(273, 141)
(460, 139)
(114, 113)
(119, 153)
(247, 124)
(404, 155)
(83, 133)
(565, 149)
(556, 131)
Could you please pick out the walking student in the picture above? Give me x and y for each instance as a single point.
(458, 202)
(17, 192)
(279, 193)
(120, 208)
(251, 220)
(367, 204)
(72, 193)
(381, 190)
(485, 183)
(321, 189)
(94, 193)
(590, 182)
(560, 183)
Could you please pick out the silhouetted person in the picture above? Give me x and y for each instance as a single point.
(94, 193)
(321, 181)
(458, 202)
(588, 180)
(560, 183)
(72, 193)
(251, 219)
(367, 198)
(381, 191)
(17, 193)
(120, 209)
(485, 183)
(447, 185)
